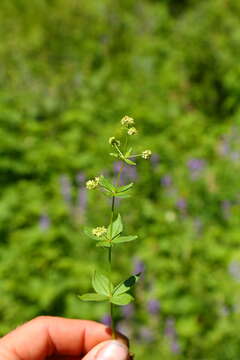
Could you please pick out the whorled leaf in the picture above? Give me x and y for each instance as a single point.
(126, 285)
(93, 297)
(123, 195)
(124, 188)
(105, 183)
(122, 239)
(104, 243)
(122, 299)
(129, 162)
(101, 284)
(117, 228)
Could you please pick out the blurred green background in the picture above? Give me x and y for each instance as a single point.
(70, 70)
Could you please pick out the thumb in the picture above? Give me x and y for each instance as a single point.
(108, 350)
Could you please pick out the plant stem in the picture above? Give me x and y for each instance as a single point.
(110, 266)
(110, 252)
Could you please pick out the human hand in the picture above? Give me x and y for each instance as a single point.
(56, 338)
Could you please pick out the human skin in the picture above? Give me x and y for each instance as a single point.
(56, 338)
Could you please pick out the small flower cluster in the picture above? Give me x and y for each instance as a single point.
(92, 184)
(99, 231)
(146, 154)
(132, 131)
(127, 121)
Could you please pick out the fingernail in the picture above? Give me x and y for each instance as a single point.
(113, 350)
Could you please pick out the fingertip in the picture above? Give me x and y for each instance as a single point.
(111, 349)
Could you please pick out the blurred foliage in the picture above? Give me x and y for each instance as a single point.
(69, 71)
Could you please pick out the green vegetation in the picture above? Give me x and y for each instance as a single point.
(70, 69)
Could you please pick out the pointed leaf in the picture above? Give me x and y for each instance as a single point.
(130, 162)
(114, 154)
(122, 299)
(101, 284)
(126, 285)
(123, 195)
(104, 182)
(117, 228)
(88, 231)
(93, 297)
(104, 244)
(122, 239)
(124, 188)
(128, 153)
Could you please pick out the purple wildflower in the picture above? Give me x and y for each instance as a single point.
(129, 172)
(82, 199)
(44, 222)
(153, 306)
(234, 270)
(80, 178)
(198, 225)
(128, 311)
(124, 328)
(106, 320)
(195, 166)
(139, 266)
(117, 166)
(223, 148)
(154, 159)
(224, 311)
(175, 346)
(170, 328)
(166, 180)
(170, 333)
(226, 209)
(182, 205)
(146, 335)
(235, 156)
(66, 188)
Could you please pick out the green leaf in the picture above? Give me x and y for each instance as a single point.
(88, 231)
(105, 183)
(124, 188)
(117, 228)
(122, 239)
(101, 284)
(129, 162)
(122, 299)
(122, 195)
(128, 153)
(104, 244)
(93, 297)
(114, 154)
(126, 285)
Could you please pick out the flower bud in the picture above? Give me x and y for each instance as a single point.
(132, 131)
(113, 141)
(146, 154)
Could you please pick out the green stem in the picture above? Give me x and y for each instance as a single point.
(110, 266)
(110, 253)
(112, 321)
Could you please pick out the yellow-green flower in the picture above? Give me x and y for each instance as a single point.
(146, 154)
(99, 231)
(127, 121)
(132, 131)
(92, 184)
